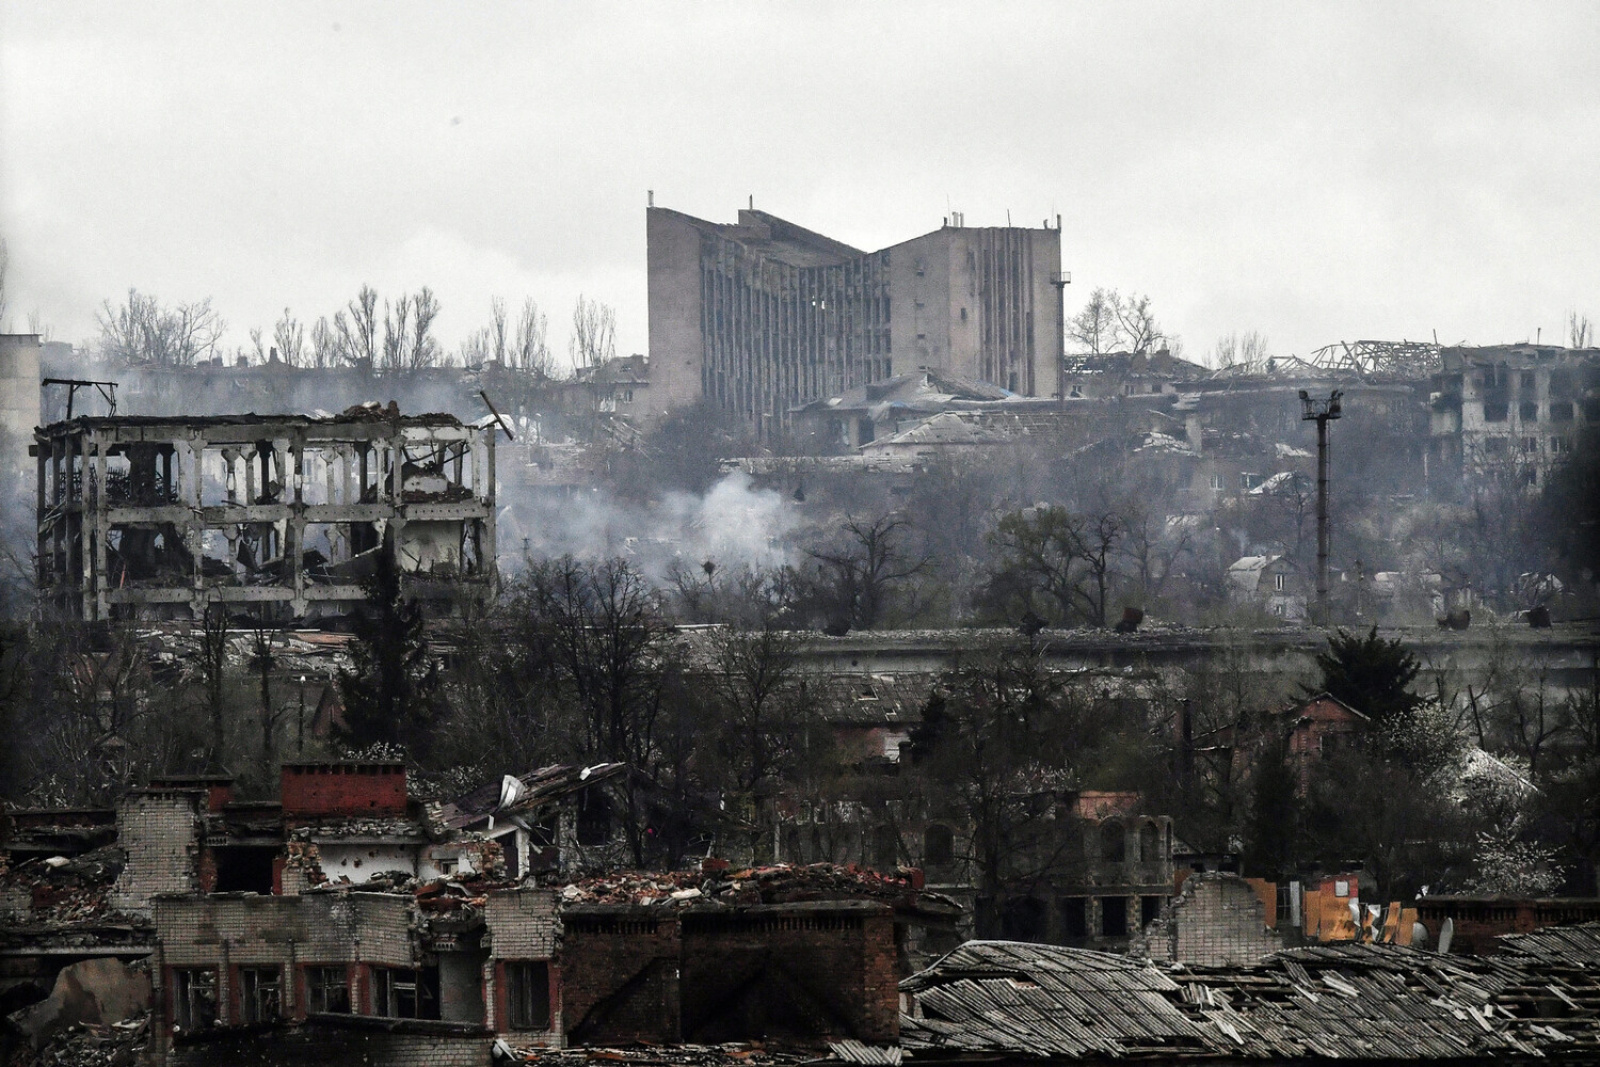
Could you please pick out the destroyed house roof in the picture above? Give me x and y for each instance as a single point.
(537, 788)
(944, 428)
(1354, 1001)
(998, 997)
(923, 390)
(1577, 946)
(880, 699)
(1300, 706)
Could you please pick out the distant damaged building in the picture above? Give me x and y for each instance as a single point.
(1510, 410)
(158, 517)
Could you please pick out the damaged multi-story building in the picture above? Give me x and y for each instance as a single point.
(762, 316)
(1509, 409)
(352, 918)
(152, 518)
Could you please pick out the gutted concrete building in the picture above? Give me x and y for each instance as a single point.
(285, 515)
(762, 316)
(1509, 410)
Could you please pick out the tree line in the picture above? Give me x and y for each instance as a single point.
(388, 335)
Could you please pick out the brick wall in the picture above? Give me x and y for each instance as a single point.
(1218, 919)
(619, 975)
(316, 927)
(160, 831)
(793, 971)
(522, 924)
(799, 971)
(317, 789)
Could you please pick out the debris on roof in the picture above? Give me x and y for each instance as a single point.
(779, 883)
(1350, 1001)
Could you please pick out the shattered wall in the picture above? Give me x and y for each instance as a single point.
(522, 926)
(226, 931)
(1218, 919)
(160, 831)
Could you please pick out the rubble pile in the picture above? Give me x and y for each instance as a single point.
(661, 1055)
(63, 890)
(119, 1044)
(716, 882)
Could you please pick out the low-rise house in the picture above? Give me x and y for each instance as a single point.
(1273, 583)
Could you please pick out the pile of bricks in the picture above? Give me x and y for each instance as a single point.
(94, 1045)
(779, 883)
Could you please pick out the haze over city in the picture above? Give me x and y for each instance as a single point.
(1310, 172)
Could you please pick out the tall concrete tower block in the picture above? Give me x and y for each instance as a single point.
(20, 400)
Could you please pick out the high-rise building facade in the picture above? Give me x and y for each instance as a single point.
(761, 316)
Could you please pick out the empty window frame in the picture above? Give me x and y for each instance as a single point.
(260, 994)
(1113, 842)
(1113, 916)
(403, 993)
(328, 990)
(528, 995)
(1075, 918)
(194, 998)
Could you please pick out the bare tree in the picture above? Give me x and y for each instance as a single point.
(143, 331)
(1252, 346)
(358, 330)
(324, 344)
(1580, 332)
(861, 571)
(594, 333)
(1095, 327)
(1136, 324)
(424, 350)
(531, 353)
(289, 338)
(396, 333)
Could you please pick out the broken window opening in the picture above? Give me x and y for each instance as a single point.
(528, 994)
(1075, 919)
(194, 998)
(245, 868)
(1113, 844)
(327, 990)
(594, 819)
(1113, 917)
(1149, 910)
(405, 993)
(259, 994)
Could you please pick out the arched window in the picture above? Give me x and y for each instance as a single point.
(1149, 843)
(1113, 845)
(938, 845)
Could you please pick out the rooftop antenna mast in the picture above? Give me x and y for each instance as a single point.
(1321, 412)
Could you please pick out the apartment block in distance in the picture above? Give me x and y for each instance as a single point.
(762, 316)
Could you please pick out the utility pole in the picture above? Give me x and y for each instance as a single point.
(1321, 411)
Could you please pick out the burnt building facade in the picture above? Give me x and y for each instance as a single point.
(763, 316)
(158, 517)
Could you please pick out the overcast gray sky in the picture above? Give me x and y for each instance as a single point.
(1314, 172)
